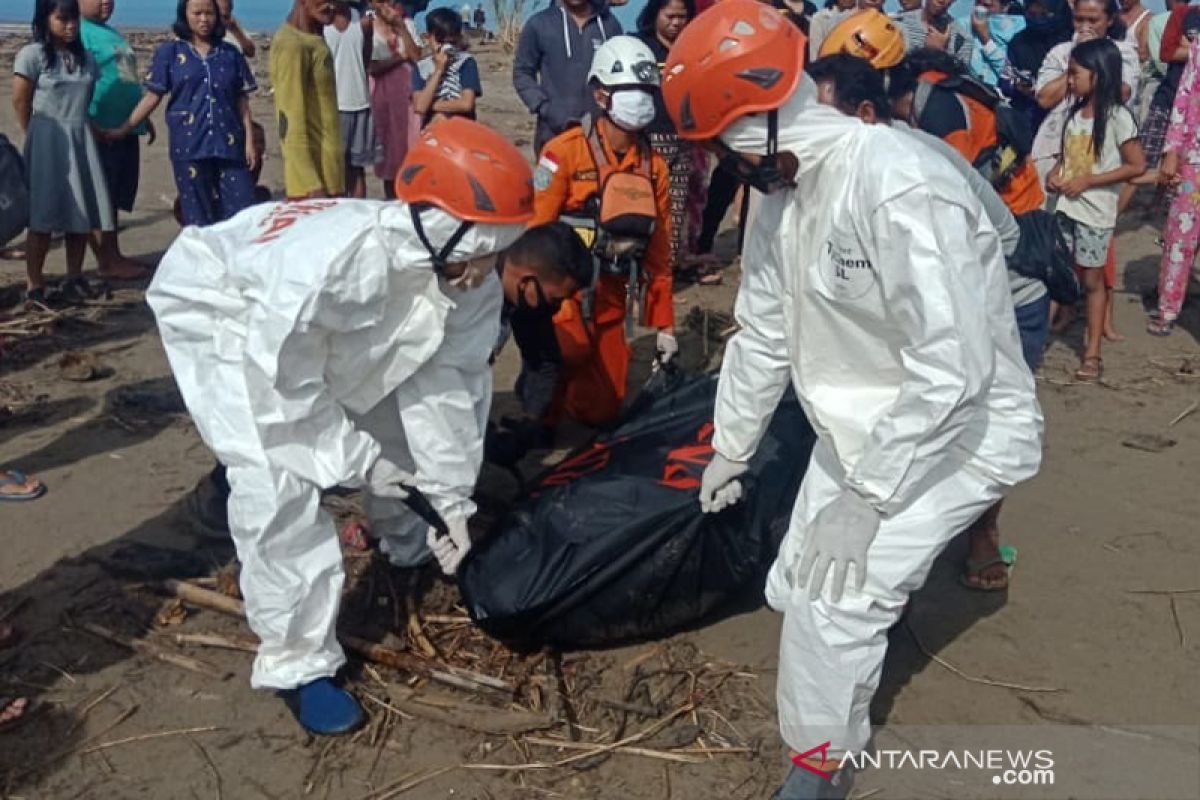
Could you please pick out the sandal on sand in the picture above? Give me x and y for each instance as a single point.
(1091, 369)
(972, 575)
(15, 487)
(1157, 326)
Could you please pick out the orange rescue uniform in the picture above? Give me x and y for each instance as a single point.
(595, 354)
(1024, 190)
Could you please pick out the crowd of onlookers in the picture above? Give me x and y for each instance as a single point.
(84, 104)
(354, 83)
(1020, 53)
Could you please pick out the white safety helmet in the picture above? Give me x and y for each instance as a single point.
(624, 61)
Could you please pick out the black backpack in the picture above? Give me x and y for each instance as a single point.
(1042, 253)
(14, 192)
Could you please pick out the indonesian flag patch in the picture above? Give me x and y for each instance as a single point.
(546, 167)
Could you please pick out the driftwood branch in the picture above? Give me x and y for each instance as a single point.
(376, 653)
(156, 652)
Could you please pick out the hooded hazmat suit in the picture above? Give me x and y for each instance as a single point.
(308, 339)
(878, 288)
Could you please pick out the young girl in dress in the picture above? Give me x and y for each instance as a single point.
(391, 68)
(1100, 151)
(67, 192)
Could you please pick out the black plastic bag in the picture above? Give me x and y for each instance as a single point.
(14, 192)
(1042, 253)
(612, 547)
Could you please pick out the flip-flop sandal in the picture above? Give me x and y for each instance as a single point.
(14, 477)
(1160, 327)
(975, 569)
(1090, 370)
(711, 278)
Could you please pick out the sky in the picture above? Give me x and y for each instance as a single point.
(265, 15)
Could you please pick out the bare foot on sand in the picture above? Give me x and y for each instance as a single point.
(985, 568)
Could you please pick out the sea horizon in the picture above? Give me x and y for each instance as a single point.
(264, 16)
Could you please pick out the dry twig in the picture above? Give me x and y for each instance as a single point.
(241, 644)
(154, 651)
(592, 752)
(1183, 414)
(405, 784)
(693, 756)
(1167, 592)
(208, 760)
(148, 736)
(973, 679)
(1178, 624)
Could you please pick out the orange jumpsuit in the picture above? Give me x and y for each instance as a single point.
(595, 355)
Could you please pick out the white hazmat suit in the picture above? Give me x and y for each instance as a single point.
(866, 287)
(308, 339)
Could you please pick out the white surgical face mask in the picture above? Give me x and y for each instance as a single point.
(632, 109)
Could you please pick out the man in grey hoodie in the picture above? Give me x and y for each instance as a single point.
(554, 55)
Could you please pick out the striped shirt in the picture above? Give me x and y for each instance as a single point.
(462, 73)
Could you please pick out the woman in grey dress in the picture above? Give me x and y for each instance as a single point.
(51, 93)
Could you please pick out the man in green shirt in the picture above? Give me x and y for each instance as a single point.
(118, 90)
(306, 103)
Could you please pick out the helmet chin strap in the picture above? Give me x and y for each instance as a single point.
(440, 257)
(765, 176)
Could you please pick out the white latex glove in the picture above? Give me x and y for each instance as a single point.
(840, 536)
(450, 550)
(719, 486)
(668, 347)
(385, 479)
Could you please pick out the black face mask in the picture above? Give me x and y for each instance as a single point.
(767, 176)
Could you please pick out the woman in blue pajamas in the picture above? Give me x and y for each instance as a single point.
(208, 114)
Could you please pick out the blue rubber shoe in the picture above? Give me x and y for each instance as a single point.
(323, 708)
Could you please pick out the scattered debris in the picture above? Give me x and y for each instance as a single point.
(156, 652)
(172, 613)
(1183, 414)
(973, 679)
(79, 367)
(1148, 442)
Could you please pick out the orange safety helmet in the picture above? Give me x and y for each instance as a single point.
(739, 57)
(868, 34)
(469, 171)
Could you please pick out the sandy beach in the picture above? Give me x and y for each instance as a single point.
(1112, 514)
